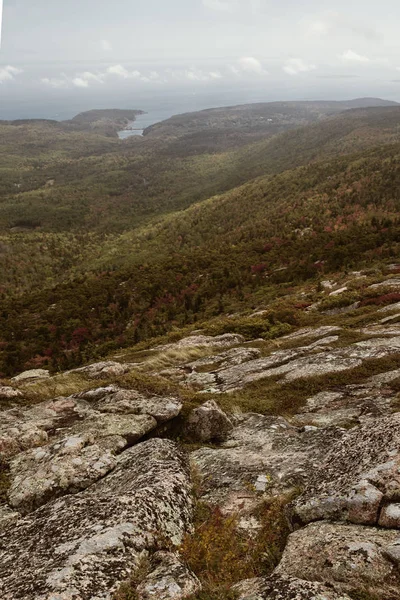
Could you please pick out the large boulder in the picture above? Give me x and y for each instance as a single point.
(82, 547)
(208, 423)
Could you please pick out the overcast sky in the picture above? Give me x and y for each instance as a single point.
(99, 44)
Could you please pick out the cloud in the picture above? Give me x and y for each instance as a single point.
(121, 71)
(249, 64)
(106, 45)
(353, 57)
(8, 73)
(80, 80)
(294, 66)
(334, 23)
(54, 82)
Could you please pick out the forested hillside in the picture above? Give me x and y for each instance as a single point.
(104, 243)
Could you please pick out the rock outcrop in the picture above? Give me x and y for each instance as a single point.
(358, 479)
(82, 547)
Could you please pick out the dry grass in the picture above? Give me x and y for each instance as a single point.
(221, 555)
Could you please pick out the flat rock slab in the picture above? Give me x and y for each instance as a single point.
(105, 369)
(313, 360)
(205, 341)
(115, 400)
(262, 455)
(358, 476)
(83, 547)
(351, 558)
(66, 466)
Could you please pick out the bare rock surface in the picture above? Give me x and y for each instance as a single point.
(350, 558)
(102, 412)
(114, 400)
(284, 587)
(351, 404)
(315, 359)
(358, 476)
(169, 579)
(82, 547)
(66, 466)
(262, 455)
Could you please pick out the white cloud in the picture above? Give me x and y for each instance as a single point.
(106, 45)
(79, 82)
(121, 71)
(249, 64)
(118, 70)
(57, 83)
(8, 73)
(294, 66)
(353, 57)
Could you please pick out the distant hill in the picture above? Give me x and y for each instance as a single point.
(250, 117)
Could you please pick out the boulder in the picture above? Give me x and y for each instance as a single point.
(350, 558)
(31, 375)
(208, 423)
(102, 412)
(169, 579)
(84, 546)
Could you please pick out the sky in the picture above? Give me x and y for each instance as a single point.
(298, 49)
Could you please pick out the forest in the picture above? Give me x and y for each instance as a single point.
(107, 243)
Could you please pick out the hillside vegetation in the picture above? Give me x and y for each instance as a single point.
(105, 244)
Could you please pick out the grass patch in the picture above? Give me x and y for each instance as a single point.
(221, 555)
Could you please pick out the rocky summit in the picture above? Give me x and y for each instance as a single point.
(122, 479)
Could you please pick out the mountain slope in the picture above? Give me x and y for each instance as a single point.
(222, 253)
